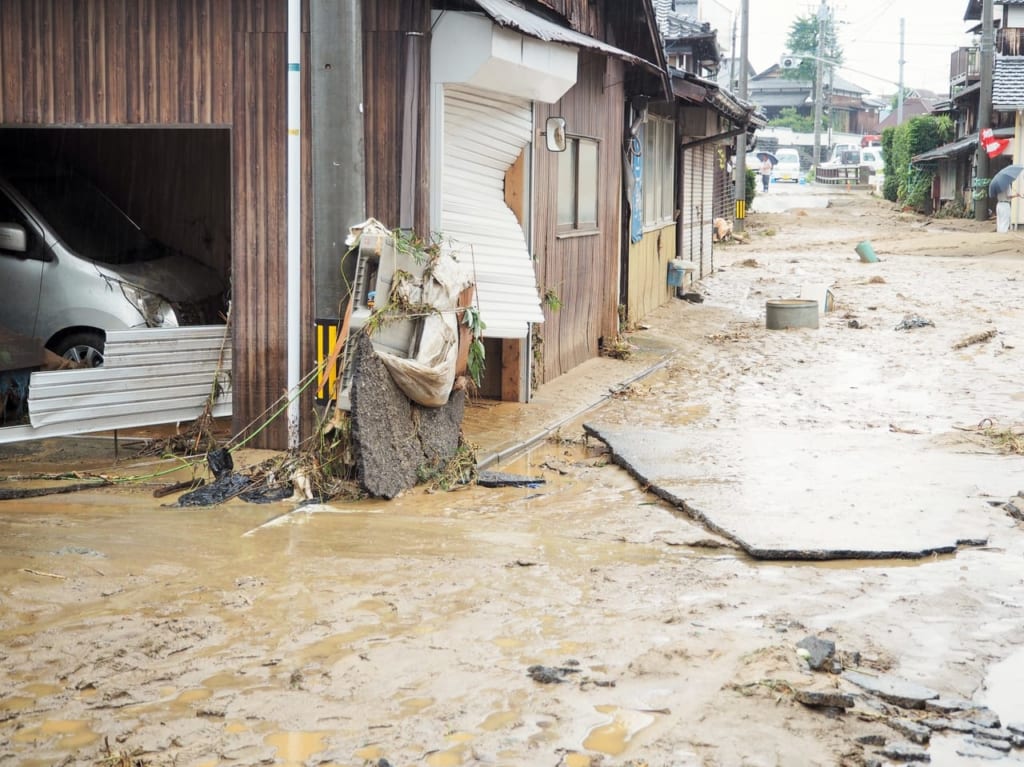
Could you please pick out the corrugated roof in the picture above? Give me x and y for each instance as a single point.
(1008, 83)
(506, 14)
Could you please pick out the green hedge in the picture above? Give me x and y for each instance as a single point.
(905, 183)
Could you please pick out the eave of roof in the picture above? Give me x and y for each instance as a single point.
(505, 14)
(691, 87)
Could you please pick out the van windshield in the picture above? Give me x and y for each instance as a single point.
(86, 220)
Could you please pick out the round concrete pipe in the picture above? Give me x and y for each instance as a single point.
(791, 313)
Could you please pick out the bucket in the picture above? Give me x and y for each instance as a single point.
(791, 313)
(866, 252)
(676, 273)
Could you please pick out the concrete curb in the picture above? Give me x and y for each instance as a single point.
(489, 459)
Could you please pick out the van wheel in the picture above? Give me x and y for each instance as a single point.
(84, 348)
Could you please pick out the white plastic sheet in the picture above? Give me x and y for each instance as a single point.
(427, 378)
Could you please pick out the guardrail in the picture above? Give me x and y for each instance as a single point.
(841, 174)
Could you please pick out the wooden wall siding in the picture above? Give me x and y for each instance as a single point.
(648, 272)
(115, 62)
(180, 63)
(259, 281)
(583, 271)
(389, 131)
(190, 209)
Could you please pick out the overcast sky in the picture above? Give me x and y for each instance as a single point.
(869, 33)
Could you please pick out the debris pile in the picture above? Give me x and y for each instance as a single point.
(910, 711)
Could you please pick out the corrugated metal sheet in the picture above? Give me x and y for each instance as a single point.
(152, 376)
(688, 210)
(707, 208)
(506, 14)
(484, 134)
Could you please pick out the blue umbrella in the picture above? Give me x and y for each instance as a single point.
(1003, 180)
(762, 156)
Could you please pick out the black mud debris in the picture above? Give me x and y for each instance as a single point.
(551, 674)
(913, 322)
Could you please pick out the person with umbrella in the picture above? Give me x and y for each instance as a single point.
(1000, 186)
(766, 170)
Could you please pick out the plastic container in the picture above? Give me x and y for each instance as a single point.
(785, 313)
(866, 252)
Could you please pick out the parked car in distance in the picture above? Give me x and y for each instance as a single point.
(74, 265)
(870, 156)
(788, 166)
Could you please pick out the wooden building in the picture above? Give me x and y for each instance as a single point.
(178, 109)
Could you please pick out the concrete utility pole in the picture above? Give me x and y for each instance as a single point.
(818, 76)
(741, 140)
(984, 112)
(899, 94)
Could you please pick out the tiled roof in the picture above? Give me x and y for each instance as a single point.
(1008, 83)
(674, 23)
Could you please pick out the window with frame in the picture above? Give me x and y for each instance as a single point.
(659, 158)
(578, 185)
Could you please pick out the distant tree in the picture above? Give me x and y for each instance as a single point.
(790, 118)
(894, 101)
(803, 38)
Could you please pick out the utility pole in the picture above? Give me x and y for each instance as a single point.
(818, 76)
(984, 113)
(741, 141)
(899, 95)
(732, 57)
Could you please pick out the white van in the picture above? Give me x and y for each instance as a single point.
(788, 166)
(74, 265)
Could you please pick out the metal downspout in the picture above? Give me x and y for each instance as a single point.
(294, 219)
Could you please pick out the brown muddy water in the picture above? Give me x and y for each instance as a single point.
(344, 634)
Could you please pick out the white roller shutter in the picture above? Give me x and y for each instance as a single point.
(484, 134)
(691, 198)
(707, 208)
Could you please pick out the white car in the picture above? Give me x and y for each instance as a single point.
(788, 166)
(870, 156)
(73, 266)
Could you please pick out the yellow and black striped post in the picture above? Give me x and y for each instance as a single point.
(326, 337)
(741, 209)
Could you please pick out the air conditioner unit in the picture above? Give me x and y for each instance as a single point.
(790, 62)
(379, 259)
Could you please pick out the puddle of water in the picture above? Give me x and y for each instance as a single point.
(459, 737)
(192, 696)
(508, 643)
(236, 728)
(577, 760)
(410, 706)
(296, 747)
(41, 690)
(70, 733)
(369, 753)
(499, 720)
(613, 737)
(16, 703)
(1002, 688)
(451, 758)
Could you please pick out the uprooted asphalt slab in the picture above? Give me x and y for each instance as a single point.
(816, 495)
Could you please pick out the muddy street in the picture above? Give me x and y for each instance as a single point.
(585, 621)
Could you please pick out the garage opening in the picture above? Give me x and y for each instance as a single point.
(105, 229)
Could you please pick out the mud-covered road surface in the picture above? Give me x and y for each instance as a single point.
(405, 631)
